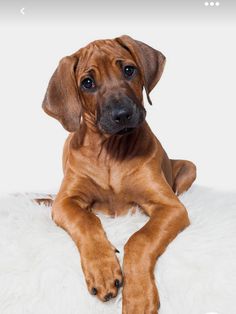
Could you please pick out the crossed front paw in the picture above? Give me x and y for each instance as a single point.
(140, 295)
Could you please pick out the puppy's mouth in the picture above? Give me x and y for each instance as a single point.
(125, 131)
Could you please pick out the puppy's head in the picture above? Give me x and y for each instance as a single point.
(103, 83)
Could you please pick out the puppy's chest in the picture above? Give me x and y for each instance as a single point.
(111, 180)
(115, 193)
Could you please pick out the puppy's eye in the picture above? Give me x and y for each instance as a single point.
(88, 83)
(129, 71)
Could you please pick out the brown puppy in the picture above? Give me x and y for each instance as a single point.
(112, 161)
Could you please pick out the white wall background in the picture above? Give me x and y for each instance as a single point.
(193, 112)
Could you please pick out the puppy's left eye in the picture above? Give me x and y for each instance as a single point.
(129, 71)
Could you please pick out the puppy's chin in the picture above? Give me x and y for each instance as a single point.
(125, 131)
(109, 131)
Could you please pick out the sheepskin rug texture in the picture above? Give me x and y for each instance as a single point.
(40, 270)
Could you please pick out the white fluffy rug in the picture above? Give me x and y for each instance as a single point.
(40, 270)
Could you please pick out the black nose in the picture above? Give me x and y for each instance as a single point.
(122, 116)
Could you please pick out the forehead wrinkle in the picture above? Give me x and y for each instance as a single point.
(108, 46)
(101, 57)
(101, 49)
(100, 62)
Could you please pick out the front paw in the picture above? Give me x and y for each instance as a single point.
(102, 270)
(140, 295)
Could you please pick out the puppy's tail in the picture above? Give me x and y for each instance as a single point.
(47, 200)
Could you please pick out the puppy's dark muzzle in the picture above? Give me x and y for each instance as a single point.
(120, 116)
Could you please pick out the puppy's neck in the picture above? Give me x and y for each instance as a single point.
(118, 147)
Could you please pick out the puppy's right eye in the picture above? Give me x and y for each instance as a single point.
(88, 83)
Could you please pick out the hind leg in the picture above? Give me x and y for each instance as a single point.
(184, 173)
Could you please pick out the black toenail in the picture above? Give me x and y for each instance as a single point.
(117, 251)
(94, 291)
(117, 283)
(108, 297)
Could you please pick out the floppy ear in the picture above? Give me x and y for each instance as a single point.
(62, 97)
(151, 62)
